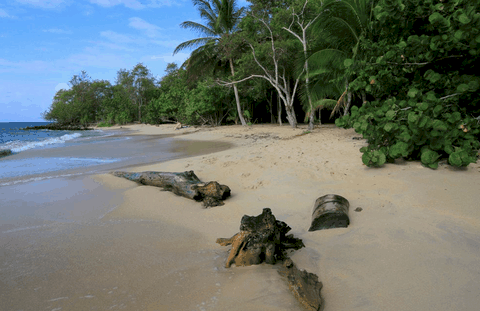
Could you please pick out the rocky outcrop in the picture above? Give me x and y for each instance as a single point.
(261, 238)
(304, 285)
(185, 184)
(5, 152)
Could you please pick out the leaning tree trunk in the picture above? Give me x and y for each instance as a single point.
(237, 99)
(185, 184)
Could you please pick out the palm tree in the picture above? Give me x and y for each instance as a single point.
(340, 29)
(222, 18)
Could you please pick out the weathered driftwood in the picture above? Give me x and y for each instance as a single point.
(304, 285)
(330, 211)
(185, 184)
(261, 238)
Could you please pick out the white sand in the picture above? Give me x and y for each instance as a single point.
(415, 245)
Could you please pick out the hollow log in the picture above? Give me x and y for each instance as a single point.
(185, 184)
(330, 211)
(304, 285)
(261, 238)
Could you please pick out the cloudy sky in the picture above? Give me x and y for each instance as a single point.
(43, 43)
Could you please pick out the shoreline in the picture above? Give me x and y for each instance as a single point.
(414, 246)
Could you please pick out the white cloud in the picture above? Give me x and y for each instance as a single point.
(116, 37)
(169, 58)
(44, 4)
(58, 31)
(131, 4)
(149, 29)
(135, 4)
(4, 14)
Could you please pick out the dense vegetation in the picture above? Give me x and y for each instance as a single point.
(404, 73)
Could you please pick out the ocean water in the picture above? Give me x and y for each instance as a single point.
(26, 146)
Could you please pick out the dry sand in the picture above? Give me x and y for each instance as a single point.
(415, 245)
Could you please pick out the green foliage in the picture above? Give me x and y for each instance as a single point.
(423, 73)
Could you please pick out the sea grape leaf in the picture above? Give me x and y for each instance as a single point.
(399, 149)
(429, 156)
(462, 88)
(423, 106)
(439, 125)
(390, 127)
(390, 114)
(412, 117)
(348, 62)
(464, 19)
(413, 92)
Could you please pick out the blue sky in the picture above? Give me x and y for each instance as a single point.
(43, 43)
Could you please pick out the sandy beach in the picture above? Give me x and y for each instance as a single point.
(414, 246)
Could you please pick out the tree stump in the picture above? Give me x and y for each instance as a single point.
(261, 238)
(304, 285)
(330, 211)
(185, 184)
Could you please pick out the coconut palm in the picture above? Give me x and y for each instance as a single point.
(222, 18)
(340, 29)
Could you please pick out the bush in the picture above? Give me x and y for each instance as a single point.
(423, 77)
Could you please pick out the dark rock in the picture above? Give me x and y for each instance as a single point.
(5, 152)
(185, 184)
(330, 211)
(261, 238)
(358, 209)
(59, 127)
(304, 285)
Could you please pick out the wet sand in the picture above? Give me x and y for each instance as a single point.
(414, 246)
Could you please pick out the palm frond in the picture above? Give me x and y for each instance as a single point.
(199, 28)
(192, 44)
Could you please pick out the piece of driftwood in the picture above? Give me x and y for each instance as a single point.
(330, 211)
(185, 184)
(261, 238)
(304, 285)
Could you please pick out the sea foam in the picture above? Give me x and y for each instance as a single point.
(18, 146)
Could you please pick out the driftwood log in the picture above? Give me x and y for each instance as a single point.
(185, 184)
(261, 238)
(304, 285)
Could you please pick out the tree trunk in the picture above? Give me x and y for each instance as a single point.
(237, 99)
(185, 184)
(279, 111)
(349, 102)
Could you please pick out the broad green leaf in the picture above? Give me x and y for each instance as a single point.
(435, 17)
(423, 121)
(429, 156)
(412, 117)
(462, 88)
(400, 149)
(413, 92)
(390, 114)
(448, 149)
(423, 106)
(390, 127)
(458, 34)
(348, 62)
(464, 19)
(439, 125)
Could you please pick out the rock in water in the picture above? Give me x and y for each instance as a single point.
(261, 238)
(185, 184)
(304, 285)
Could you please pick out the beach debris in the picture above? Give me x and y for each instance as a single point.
(5, 152)
(185, 184)
(304, 285)
(261, 238)
(330, 211)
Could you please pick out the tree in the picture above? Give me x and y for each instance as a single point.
(222, 18)
(340, 28)
(271, 55)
